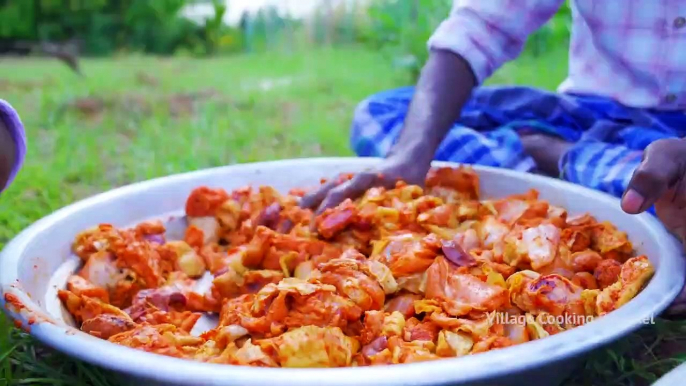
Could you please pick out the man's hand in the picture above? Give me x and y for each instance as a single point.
(443, 88)
(391, 170)
(660, 180)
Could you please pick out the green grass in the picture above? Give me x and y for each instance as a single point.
(135, 118)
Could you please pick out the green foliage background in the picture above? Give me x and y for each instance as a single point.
(397, 28)
(401, 28)
(106, 26)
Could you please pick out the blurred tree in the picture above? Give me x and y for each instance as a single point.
(259, 36)
(214, 27)
(246, 26)
(401, 28)
(106, 25)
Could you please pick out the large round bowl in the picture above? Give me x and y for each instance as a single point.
(673, 378)
(36, 263)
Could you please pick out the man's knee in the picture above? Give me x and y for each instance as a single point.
(389, 102)
(375, 119)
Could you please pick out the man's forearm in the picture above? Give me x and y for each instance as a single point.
(444, 87)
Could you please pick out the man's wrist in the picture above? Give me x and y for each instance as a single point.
(414, 153)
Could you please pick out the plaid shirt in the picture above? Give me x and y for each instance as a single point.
(632, 51)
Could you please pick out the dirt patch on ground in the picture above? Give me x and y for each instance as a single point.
(25, 85)
(178, 104)
(186, 103)
(88, 106)
(145, 79)
(288, 112)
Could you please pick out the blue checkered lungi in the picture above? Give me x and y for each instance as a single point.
(608, 138)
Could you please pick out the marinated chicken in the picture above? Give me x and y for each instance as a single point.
(397, 276)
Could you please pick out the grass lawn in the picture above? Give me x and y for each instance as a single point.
(136, 118)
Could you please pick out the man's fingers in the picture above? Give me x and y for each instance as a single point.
(335, 197)
(632, 202)
(351, 189)
(660, 170)
(314, 199)
(680, 233)
(670, 209)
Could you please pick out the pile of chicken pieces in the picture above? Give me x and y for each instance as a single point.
(400, 275)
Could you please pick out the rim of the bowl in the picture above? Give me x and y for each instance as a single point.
(674, 377)
(664, 286)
